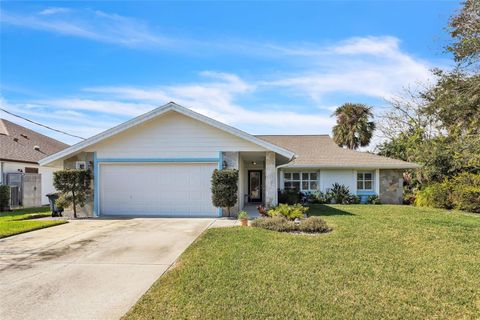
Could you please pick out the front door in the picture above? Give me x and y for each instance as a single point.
(255, 186)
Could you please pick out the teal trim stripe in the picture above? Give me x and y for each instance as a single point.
(96, 191)
(168, 160)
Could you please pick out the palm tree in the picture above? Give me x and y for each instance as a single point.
(354, 128)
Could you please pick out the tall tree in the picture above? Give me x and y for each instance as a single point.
(354, 127)
(464, 28)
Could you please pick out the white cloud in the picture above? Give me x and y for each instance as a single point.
(53, 10)
(370, 66)
(94, 25)
(366, 68)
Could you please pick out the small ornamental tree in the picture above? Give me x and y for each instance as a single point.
(225, 188)
(73, 186)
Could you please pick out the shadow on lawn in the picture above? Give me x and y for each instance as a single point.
(326, 210)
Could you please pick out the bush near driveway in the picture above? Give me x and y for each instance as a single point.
(381, 262)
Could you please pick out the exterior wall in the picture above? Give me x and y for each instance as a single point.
(171, 136)
(232, 160)
(46, 180)
(346, 177)
(391, 186)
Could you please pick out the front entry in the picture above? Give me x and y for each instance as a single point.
(254, 185)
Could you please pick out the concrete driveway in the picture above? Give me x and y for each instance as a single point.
(89, 269)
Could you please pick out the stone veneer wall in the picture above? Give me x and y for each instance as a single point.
(391, 186)
(232, 159)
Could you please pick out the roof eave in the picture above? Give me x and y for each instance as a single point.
(355, 166)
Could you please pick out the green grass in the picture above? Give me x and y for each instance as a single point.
(20, 221)
(379, 262)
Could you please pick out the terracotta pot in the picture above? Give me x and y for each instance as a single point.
(244, 222)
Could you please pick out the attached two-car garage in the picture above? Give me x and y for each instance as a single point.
(156, 189)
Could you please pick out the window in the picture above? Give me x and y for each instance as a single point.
(304, 181)
(80, 165)
(364, 181)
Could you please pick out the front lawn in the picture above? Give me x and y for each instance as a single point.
(20, 220)
(379, 262)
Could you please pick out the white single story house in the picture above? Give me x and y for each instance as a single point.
(20, 151)
(161, 163)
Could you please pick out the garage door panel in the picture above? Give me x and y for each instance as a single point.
(156, 189)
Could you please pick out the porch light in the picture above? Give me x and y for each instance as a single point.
(224, 164)
(254, 163)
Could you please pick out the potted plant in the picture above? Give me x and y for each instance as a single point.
(243, 217)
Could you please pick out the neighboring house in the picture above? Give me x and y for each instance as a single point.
(161, 163)
(20, 151)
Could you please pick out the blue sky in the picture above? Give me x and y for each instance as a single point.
(264, 67)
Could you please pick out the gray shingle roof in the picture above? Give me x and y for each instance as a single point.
(17, 143)
(320, 151)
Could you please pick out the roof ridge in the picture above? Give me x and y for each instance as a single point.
(294, 135)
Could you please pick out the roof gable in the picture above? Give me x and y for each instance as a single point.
(159, 112)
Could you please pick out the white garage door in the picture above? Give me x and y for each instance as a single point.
(156, 189)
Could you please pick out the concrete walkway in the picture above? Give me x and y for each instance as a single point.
(90, 269)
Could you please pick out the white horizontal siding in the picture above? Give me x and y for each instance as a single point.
(171, 136)
(345, 177)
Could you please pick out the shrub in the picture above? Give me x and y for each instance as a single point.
(313, 225)
(289, 196)
(290, 212)
(242, 215)
(277, 223)
(225, 188)
(436, 195)
(4, 197)
(461, 192)
(317, 197)
(466, 198)
(73, 186)
(281, 224)
(339, 193)
(351, 199)
(373, 199)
